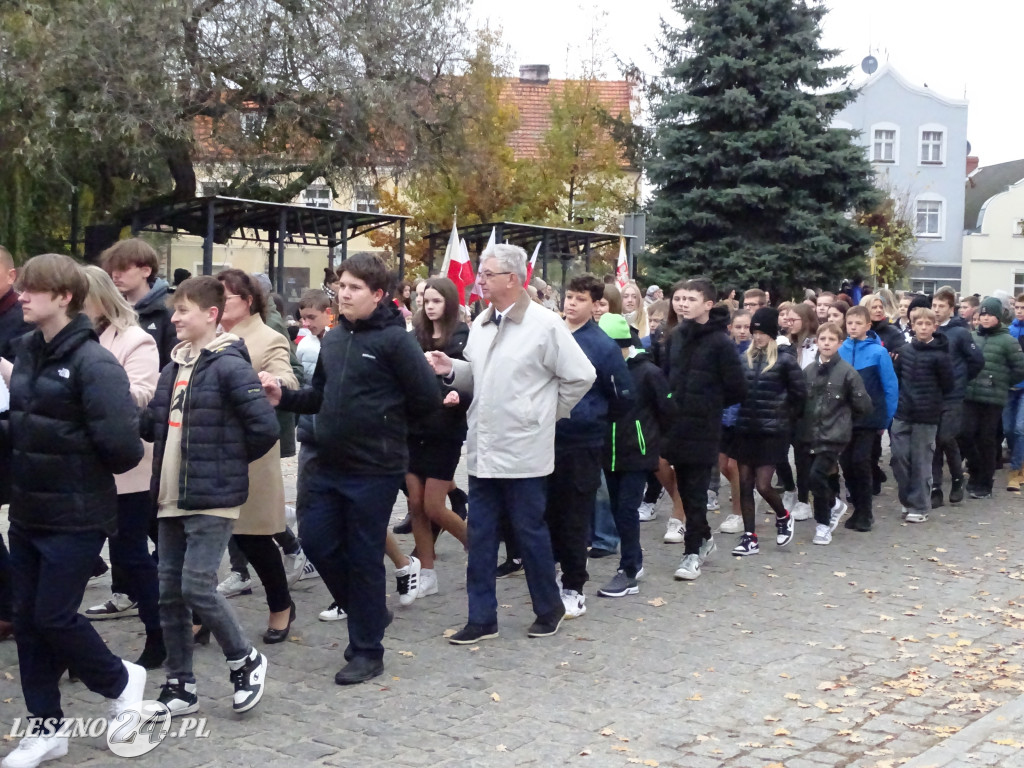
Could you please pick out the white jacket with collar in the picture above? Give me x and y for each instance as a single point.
(524, 375)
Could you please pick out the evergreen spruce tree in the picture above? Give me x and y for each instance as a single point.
(752, 186)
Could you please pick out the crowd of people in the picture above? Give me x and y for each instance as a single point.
(157, 418)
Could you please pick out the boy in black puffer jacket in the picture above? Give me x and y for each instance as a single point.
(925, 374)
(73, 426)
(208, 420)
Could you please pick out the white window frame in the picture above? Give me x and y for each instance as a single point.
(251, 122)
(1018, 282)
(944, 142)
(895, 143)
(923, 286)
(365, 200)
(317, 197)
(930, 197)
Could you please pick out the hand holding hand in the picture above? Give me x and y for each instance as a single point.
(271, 388)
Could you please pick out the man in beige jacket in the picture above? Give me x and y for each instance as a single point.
(525, 372)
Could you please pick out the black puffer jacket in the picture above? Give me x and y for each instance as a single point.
(12, 323)
(73, 426)
(155, 319)
(227, 422)
(966, 356)
(925, 373)
(704, 376)
(835, 396)
(371, 379)
(773, 396)
(890, 336)
(447, 422)
(634, 440)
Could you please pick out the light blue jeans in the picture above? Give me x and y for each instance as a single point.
(606, 535)
(1013, 427)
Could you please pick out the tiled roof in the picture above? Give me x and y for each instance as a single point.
(533, 101)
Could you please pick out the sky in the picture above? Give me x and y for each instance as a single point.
(960, 49)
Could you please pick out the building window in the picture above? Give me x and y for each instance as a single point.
(922, 286)
(252, 122)
(1018, 283)
(933, 144)
(317, 196)
(366, 199)
(929, 218)
(885, 144)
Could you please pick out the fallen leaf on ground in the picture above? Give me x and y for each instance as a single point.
(657, 602)
(495, 697)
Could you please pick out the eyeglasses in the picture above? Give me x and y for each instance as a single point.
(751, 305)
(485, 275)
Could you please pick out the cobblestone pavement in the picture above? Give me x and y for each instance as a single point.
(901, 644)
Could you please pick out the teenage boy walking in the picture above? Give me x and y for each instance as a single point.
(704, 375)
(925, 374)
(73, 426)
(580, 440)
(370, 378)
(865, 353)
(208, 420)
(835, 396)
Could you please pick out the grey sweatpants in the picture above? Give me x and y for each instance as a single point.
(913, 446)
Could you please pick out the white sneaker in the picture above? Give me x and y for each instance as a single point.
(235, 584)
(689, 568)
(33, 750)
(838, 513)
(647, 512)
(674, 531)
(916, 517)
(731, 524)
(408, 581)
(134, 690)
(789, 500)
(309, 571)
(713, 505)
(641, 573)
(428, 582)
(903, 512)
(574, 602)
(706, 549)
(118, 606)
(822, 534)
(801, 511)
(294, 565)
(333, 613)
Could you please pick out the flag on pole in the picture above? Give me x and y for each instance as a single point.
(460, 271)
(477, 293)
(622, 268)
(450, 250)
(533, 262)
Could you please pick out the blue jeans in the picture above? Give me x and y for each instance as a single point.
(191, 548)
(606, 536)
(343, 530)
(1013, 427)
(523, 500)
(49, 574)
(626, 490)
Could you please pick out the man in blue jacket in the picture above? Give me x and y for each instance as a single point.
(579, 442)
(869, 358)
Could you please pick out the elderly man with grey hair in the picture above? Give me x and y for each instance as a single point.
(525, 371)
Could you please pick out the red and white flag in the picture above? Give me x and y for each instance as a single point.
(460, 271)
(533, 262)
(477, 293)
(622, 267)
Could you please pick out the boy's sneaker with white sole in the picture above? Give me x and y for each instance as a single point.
(333, 613)
(731, 524)
(647, 512)
(707, 549)
(914, 516)
(837, 513)
(179, 698)
(33, 750)
(822, 534)
(428, 583)
(407, 580)
(674, 531)
(689, 568)
(249, 676)
(575, 603)
(713, 505)
(118, 606)
(801, 511)
(784, 529)
(620, 586)
(235, 584)
(134, 689)
(748, 545)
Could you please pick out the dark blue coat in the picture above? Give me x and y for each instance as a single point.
(227, 422)
(926, 378)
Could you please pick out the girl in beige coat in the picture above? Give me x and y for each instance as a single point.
(262, 515)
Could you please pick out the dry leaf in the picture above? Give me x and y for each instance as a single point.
(584, 752)
(607, 732)
(793, 696)
(624, 738)
(651, 763)
(450, 632)
(783, 674)
(618, 748)
(501, 748)
(695, 697)
(495, 697)
(827, 685)
(840, 574)
(657, 602)
(781, 732)
(410, 654)
(475, 648)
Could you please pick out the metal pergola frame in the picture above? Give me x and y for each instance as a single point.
(562, 244)
(218, 219)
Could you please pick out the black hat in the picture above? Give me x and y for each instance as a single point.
(765, 320)
(919, 300)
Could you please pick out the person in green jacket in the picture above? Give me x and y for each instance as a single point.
(986, 395)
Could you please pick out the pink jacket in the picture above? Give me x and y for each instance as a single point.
(137, 353)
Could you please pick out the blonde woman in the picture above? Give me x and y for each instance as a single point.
(881, 321)
(634, 309)
(133, 569)
(775, 389)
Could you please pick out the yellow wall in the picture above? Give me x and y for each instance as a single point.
(993, 257)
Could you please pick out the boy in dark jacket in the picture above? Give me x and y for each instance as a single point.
(835, 395)
(73, 426)
(925, 374)
(705, 376)
(208, 420)
(631, 452)
(869, 358)
(580, 440)
(370, 379)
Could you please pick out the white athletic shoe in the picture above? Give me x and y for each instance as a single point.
(408, 581)
(333, 613)
(428, 583)
(674, 531)
(837, 514)
(33, 750)
(801, 511)
(689, 568)
(713, 505)
(822, 535)
(294, 565)
(574, 602)
(235, 584)
(731, 524)
(647, 512)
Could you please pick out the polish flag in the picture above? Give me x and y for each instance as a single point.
(477, 293)
(622, 268)
(530, 266)
(460, 271)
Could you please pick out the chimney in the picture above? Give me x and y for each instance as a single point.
(972, 164)
(535, 74)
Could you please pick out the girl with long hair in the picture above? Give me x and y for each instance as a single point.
(761, 435)
(802, 333)
(634, 309)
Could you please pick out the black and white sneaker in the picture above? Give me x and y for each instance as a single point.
(748, 545)
(508, 568)
(474, 633)
(248, 675)
(620, 586)
(117, 607)
(179, 698)
(784, 529)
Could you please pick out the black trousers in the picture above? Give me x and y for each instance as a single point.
(692, 483)
(857, 469)
(947, 445)
(821, 481)
(981, 436)
(569, 511)
(265, 559)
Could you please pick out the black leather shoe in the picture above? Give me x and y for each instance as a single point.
(279, 635)
(359, 670)
(403, 527)
(937, 499)
(459, 501)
